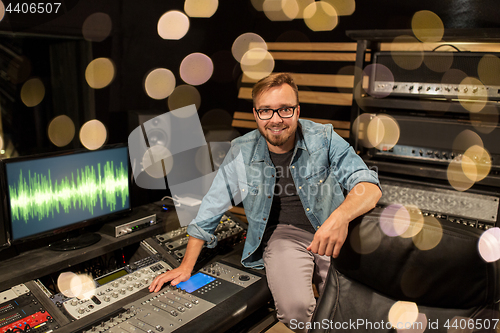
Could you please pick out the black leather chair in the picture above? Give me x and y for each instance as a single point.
(450, 283)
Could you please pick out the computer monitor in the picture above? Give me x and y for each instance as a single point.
(55, 193)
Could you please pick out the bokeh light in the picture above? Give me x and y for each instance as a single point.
(32, 92)
(184, 95)
(100, 73)
(470, 101)
(2, 10)
(201, 8)
(488, 69)
(244, 43)
(64, 284)
(438, 62)
(173, 25)
(403, 313)
(281, 10)
(489, 245)
(302, 6)
(390, 129)
(427, 26)
(413, 56)
(97, 27)
(476, 163)
(456, 176)
(343, 7)
(382, 75)
(320, 16)
(465, 140)
(159, 83)
(81, 286)
(430, 235)
(365, 237)
(257, 63)
(61, 130)
(258, 4)
(416, 221)
(196, 69)
(157, 161)
(394, 220)
(1, 145)
(419, 326)
(93, 134)
(185, 112)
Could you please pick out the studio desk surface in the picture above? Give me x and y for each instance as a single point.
(26, 267)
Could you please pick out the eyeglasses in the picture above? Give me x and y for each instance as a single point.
(284, 112)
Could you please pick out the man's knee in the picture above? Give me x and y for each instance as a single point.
(296, 314)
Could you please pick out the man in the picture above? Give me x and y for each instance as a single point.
(291, 174)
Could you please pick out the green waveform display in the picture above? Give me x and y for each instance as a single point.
(37, 197)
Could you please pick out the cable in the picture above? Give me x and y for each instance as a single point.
(450, 45)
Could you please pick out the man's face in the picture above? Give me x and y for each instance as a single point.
(279, 132)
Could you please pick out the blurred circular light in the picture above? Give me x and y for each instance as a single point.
(257, 63)
(366, 126)
(185, 112)
(83, 286)
(245, 42)
(430, 235)
(456, 176)
(196, 69)
(481, 161)
(412, 57)
(419, 326)
(438, 63)
(281, 10)
(202, 160)
(2, 10)
(488, 69)
(427, 26)
(32, 92)
(201, 8)
(93, 134)
(403, 313)
(61, 130)
(391, 132)
(97, 27)
(159, 83)
(258, 4)
(343, 7)
(365, 238)
(100, 73)
(302, 6)
(173, 25)
(320, 16)
(184, 95)
(1, 145)
(64, 284)
(472, 103)
(416, 221)
(465, 140)
(394, 220)
(152, 161)
(378, 73)
(489, 245)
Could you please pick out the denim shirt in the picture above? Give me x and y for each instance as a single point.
(322, 165)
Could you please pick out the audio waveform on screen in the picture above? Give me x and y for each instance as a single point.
(37, 197)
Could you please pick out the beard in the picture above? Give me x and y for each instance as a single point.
(278, 140)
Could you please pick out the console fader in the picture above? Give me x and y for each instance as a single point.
(172, 307)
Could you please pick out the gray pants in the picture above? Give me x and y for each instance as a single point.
(290, 271)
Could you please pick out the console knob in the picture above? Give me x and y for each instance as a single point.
(122, 291)
(114, 294)
(107, 298)
(74, 302)
(244, 278)
(130, 287)
(81, 310)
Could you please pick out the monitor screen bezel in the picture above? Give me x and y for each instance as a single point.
(46, 237)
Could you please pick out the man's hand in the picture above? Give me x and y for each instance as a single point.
(177, 275)
(329, 238)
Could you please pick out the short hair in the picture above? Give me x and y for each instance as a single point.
(271, 81)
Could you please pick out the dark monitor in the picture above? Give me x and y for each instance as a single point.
(55, 193)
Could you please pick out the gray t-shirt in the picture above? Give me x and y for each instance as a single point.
(287, 207)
